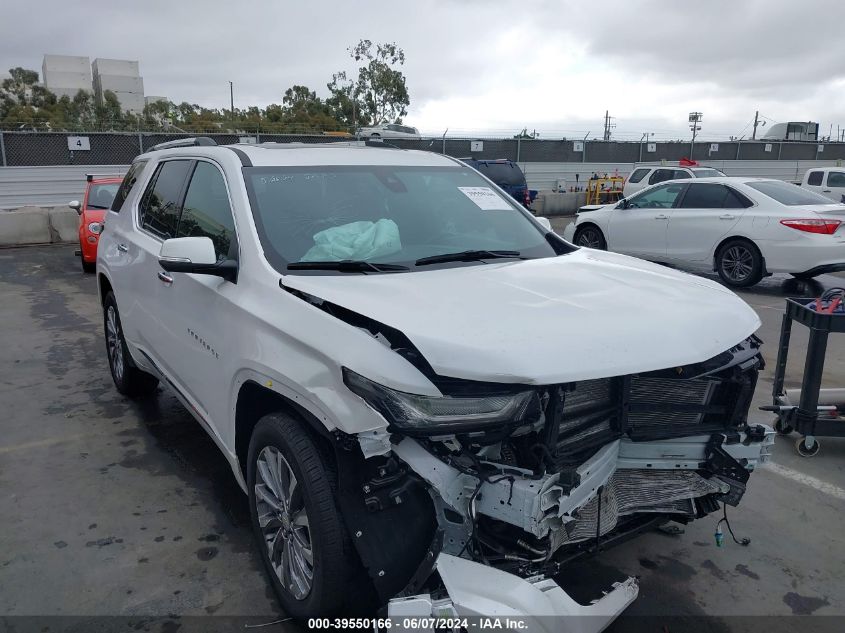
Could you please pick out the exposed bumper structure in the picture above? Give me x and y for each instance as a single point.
(540, 605)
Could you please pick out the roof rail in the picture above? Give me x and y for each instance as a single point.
(184, 142)
(375, 143)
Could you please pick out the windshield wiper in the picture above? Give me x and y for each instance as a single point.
(348, 266)
(467, 256)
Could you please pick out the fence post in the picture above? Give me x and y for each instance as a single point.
(258, 134)
(780, 147)
(518, 146)
(140, 143)
(2, 150)
(738, 145)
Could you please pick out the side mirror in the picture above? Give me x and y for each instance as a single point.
(545, 222)
(623, 204)
(195, 255)
(76, 206)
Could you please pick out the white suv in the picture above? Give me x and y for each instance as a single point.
(646, 175)
(389, 130)
(408, 372)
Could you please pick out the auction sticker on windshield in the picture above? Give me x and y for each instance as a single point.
(485, 198)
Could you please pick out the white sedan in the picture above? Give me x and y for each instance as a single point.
(743, 228)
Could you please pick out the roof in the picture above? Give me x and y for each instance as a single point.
(310, 154)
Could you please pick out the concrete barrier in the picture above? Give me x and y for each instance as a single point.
(549, 203)
(38, 225)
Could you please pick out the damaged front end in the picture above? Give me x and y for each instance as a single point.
(474, 501)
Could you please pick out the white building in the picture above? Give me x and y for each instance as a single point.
(66, 75)
(123, 79)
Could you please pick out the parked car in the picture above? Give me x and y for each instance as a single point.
(389, 130)
(99, 193)
(827, 181)
(507, 175)
(409, 373)
(743, 228)
(646, 175)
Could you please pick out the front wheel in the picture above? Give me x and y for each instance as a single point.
(739, 263)
(299, 531)
(129, 380)
(590, 236)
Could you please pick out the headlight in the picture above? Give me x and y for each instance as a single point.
(447, 414)
(95, 227)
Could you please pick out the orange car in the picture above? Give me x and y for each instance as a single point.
(99, 194)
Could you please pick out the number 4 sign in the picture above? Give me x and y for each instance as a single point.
(78, 143)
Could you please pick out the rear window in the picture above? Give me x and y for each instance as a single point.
(503, 173)
(708, 172)
(638, 175)
(788, 194)
(815, 178)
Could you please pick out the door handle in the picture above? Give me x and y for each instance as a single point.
(727, 216)
(826, 191)
(661, 217)
(165, 278)
(123, 248)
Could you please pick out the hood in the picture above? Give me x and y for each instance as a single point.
(587, 314)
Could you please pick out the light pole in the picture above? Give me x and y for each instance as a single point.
(694, 120)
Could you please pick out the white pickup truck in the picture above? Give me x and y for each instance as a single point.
(828, 181)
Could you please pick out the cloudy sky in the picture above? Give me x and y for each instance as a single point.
(477, 65)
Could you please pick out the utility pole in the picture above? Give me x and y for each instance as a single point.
(608, 125)
(232, 103)
(756, 120)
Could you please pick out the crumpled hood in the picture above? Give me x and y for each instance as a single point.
(588, 314)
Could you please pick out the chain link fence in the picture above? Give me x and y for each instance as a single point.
(34, 148)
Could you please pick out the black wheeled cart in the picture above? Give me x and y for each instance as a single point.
(812, 411)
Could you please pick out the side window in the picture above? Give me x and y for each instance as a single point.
(638, 174)
(207, 213)
(705, 197)
(736, 200)
(129, 181)
(836, 179)
(159, 212)
(660, 175)
(680, 173)
(658, 198)
(815, 178)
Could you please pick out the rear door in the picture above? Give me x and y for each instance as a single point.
(639, 229)
(702, 217)
(145, 324)
(834, 186)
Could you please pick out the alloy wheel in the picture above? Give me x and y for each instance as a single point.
(114, 343)
(284, 522)
(738, 263)
(589, 238)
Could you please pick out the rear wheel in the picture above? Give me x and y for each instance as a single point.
(739, 263)
(590, 236)
(804, 450)
(129, 380)
(300, 534)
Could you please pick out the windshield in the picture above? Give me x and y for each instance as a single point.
(708, 172)
(502, 173)
(101, 196)
(788, 194)
(384, 215)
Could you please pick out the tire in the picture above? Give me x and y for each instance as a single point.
(739, 263)
(88, 267)
(803, 450)
(590, 236)
(129, 380)
(322, 533)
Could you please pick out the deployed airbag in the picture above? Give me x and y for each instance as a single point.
(362, 240)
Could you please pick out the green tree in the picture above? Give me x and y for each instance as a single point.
(380, 88)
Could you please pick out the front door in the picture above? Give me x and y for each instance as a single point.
(638, 226)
